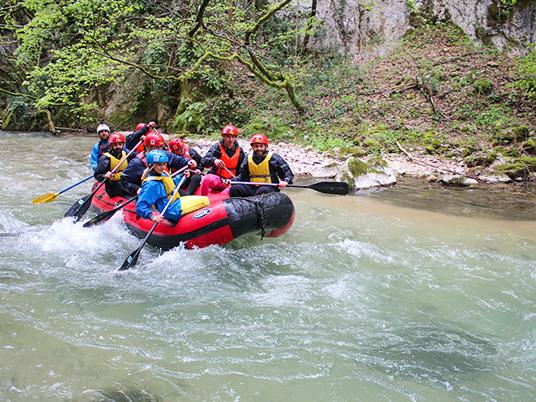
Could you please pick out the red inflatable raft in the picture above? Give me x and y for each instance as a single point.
(220, 222)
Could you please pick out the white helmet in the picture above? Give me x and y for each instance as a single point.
(102, 127)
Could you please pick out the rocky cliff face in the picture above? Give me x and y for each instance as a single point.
(364, 29)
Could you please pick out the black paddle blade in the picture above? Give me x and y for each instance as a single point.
(107, 215)
(99, 218)
(79, 208)
(132, 259)
(331, 187)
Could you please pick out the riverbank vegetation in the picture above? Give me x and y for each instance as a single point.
(195, 67)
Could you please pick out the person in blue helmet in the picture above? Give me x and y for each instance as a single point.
(157, 189)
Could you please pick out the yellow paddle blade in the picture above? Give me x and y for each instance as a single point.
(48, 197)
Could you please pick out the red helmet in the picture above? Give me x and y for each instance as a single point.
(154, 140)
(139, 126)
(176, 144)
(116, 138)
(229, 129)
(259, 139)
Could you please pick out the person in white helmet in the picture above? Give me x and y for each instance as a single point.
(103, 131)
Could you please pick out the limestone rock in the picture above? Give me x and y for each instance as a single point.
(362, 175)
(362, 30)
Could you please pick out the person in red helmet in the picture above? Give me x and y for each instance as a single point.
(131, 179)
(261, 166)
(179, 147)
(108, 162)
(223, 159)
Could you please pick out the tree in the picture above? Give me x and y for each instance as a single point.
(69, 52)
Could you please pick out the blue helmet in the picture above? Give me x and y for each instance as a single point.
(157, 156)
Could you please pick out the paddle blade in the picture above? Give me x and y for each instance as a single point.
(43, 198)
(331, 187)
(79, 208)
(132, 259)
(99, 218)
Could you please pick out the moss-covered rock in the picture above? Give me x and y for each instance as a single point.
(511, 134)
(357, 167)
(521, 167)
(483, 86)
(353, 151)
(361, 175)
(377, 162)
(371, 145)
(480, 159)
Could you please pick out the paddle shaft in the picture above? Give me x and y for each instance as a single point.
(84, 205)
(74, 185)
(108, 214)
(132, 259)
(328, 187)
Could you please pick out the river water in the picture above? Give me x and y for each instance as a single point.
(372, 297)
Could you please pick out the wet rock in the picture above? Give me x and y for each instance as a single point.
(457, 180)
(363, 175)
(495, 179)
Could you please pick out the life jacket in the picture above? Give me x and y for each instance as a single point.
(186, 152)
(260, 173)
(141, 156)
(168, 183)
(113, 164)
(231, 162)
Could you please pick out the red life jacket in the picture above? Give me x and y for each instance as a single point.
(186, 153)
(231, 162)
(142, 156)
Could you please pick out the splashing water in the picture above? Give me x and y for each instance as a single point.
(362, 299)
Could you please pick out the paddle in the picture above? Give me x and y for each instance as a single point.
(328, 187)
(228, 171)
(132, 259)
(49, 197)
(81, 206)
(108, 214)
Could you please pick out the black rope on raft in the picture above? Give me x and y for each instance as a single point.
(261, 214)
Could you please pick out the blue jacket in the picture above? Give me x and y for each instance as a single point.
(96, 152)
(154, 193)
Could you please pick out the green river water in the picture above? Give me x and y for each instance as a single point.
(402, 295)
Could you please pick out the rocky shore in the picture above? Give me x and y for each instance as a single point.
(372, 171)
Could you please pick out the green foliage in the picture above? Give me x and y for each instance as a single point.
(192, 119)
(71, 53)
(18, 112)
(483, 86)
(495, 116)
(527, 72)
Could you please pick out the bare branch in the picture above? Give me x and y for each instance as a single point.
(199, 18)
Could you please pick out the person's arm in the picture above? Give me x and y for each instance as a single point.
(135, 137)
(94, 157)
(282, 169)
(130, 179)
(213, 153)
(196, 157)
(103, 167)
(148, 197)
(177, 162)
